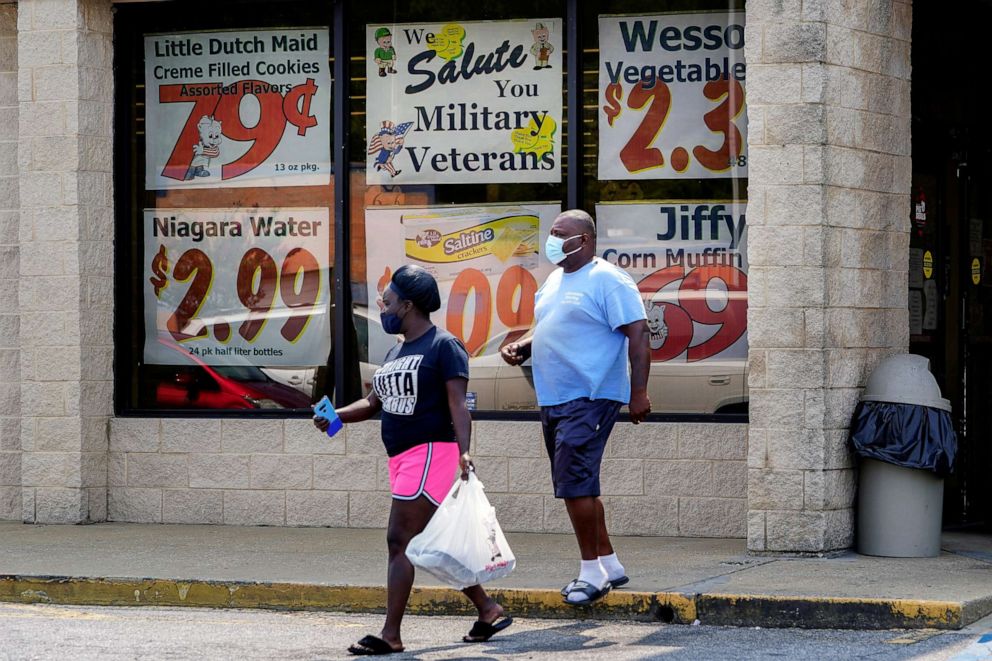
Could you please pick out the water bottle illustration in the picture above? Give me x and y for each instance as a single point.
(325, 410)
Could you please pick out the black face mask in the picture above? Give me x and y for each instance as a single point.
(391, 323)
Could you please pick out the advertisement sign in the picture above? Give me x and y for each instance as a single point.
(488, 262)
(237, 286)
(672, 96)
(237, 109)
(689, 260)
(468, 102)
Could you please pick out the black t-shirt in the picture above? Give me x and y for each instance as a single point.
(411, 386)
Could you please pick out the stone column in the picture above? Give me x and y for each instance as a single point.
(829, 145)
(10, 389)
(65, 91)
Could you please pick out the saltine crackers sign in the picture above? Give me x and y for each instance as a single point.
(464, 102)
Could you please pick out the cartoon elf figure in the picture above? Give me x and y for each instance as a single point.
(387, 143)
(385, 54)
(541, 50)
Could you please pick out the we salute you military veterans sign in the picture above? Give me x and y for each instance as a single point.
(237, 109)
(464, 102)
(672, 96)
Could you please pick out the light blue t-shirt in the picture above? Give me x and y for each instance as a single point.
(578, 349)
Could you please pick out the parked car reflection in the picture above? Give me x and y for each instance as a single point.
(195, 384)
(705, 387)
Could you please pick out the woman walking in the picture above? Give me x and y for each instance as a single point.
(426, 428)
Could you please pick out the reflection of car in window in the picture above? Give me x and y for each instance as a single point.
(704, 387)
(194, 384)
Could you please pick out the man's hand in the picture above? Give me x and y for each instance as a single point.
(321, 423)
(639, 406)
(515, 353)
(465, 462)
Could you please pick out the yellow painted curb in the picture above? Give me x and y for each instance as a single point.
(829, 612)
(669, 607)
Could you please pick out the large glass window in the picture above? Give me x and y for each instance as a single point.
(455, 146)
(225, 191)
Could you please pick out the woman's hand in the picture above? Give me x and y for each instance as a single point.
(465, 462)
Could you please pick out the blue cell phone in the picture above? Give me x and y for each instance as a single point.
(325, 410)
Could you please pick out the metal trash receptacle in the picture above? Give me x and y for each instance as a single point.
(903, 435)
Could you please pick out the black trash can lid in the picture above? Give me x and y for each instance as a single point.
(904, 379)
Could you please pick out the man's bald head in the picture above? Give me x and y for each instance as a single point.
(580, 220)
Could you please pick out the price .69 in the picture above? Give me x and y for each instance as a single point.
(672, 316)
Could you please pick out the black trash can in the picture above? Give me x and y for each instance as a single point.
(903, 434)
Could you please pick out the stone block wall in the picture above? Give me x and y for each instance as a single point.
(10, 360)
(685, 480)
(828, 215)
(65, 157)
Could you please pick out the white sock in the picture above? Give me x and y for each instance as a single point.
(593, 573)
(612, 566)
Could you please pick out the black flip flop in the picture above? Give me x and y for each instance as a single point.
(372, 646)
(483, 631)
(591, 592)
(614, 583)
(618, 582)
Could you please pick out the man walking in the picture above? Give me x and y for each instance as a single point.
(590, 323)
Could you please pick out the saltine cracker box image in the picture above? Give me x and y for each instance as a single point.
(489, 239)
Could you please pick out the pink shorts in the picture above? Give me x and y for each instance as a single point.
(429, 470)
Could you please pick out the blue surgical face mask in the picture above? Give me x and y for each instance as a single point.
(553, 248)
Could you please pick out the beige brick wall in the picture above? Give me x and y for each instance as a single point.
(66, 256)
(685, 480)
(10, 369)
(829, 143)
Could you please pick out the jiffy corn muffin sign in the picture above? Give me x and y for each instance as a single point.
(488, 262)
(464, 102)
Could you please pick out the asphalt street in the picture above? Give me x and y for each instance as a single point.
(91, 633)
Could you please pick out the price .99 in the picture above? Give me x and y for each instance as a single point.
(259, 279)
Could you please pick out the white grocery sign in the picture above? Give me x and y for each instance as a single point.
(671, 102)
(238, 286)
(464, 102)
(488, 262)
(237, 109)
(690, 262)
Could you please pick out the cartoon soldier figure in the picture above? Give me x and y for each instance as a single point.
(541, 50)
(385, 54)
(386, 144)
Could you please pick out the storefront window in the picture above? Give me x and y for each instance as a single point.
(227, 299)
(455, 152)
(473, 95)
(665, 168)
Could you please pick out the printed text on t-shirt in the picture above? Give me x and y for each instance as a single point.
(395, 384)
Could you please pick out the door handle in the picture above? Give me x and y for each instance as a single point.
(719, 380)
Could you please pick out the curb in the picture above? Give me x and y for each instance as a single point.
(669, 607)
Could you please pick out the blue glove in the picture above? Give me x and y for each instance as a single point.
(323, 409)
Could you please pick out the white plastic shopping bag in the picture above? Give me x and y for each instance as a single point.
(463, 544)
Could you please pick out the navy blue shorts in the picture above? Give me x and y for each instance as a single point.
(575, 436)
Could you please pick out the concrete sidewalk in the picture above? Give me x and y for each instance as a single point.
(675, 580)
